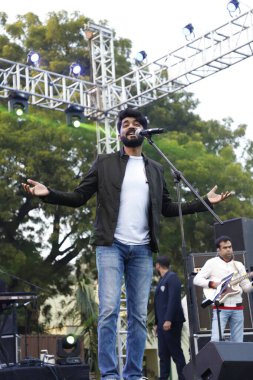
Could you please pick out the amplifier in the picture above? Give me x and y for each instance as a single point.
(9, 349)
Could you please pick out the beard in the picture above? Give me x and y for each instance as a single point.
(132, 143)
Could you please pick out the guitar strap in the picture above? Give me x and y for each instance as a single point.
(234, 263)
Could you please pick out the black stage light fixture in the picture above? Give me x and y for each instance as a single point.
(75, 69)
(233, 6)
(33, 58)
(74, 115)
(140, 57)
(188, 31)
(18, 102)
(68, 350)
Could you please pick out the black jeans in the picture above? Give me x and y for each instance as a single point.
(169, 346)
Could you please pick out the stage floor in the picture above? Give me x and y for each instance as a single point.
(45, 372)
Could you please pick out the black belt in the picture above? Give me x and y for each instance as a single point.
(238, 304)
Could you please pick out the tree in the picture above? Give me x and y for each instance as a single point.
(207, 154)
(51, 152)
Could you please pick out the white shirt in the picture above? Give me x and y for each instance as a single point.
(132, 225)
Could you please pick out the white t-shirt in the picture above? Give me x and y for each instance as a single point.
(132, 225)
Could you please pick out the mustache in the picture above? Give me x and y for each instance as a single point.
(131, 130)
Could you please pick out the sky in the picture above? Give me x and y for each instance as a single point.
(156, 27)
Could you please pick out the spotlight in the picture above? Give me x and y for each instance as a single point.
(18, 102)
(74, 115)
(68, 350)
(75, 69)
(232, 6)
(33, 58)
(140, 57)
(188, 31)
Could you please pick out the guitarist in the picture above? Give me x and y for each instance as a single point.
(231, 308)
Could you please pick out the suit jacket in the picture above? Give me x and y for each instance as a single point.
(167, 300)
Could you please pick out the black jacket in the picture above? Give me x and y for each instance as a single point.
(167, 300)
(105, 178)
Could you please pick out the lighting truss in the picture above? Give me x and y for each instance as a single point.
(106, 95)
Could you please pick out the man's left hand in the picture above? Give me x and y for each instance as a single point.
(216, 198)
(167, 325)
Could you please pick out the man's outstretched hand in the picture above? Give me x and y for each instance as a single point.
(216, 198)
(35, 188)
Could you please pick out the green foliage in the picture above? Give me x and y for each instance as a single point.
(31, 233)
(206, 154)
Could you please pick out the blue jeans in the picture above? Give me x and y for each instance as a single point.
(136, 264)
(235, 318)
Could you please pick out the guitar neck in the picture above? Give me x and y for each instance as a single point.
(239, 279)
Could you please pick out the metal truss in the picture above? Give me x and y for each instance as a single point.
(102, 53)
(103, 72)
(46, 89)
(106, 95)
(204, 56)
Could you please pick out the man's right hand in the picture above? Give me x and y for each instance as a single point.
(35, 188)
(213, 284)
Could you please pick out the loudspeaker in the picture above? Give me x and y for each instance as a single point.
(240, 232)
(203, 316)
(222, 361)
(9, 349)
(200, 340)
(8, 323)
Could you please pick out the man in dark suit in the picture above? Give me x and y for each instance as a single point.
(169, 318)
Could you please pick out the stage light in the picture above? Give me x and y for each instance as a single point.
(75, 69)
(140, 57)
(33, 58)
(18, 102)
(74, 115)
(233, 6)
(68, 350)
(188, 31)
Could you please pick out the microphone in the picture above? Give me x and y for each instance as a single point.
(148, 132)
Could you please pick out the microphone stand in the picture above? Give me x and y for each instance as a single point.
(217, 304)
(177, 175)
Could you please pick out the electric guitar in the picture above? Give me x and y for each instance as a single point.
(225, 289)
